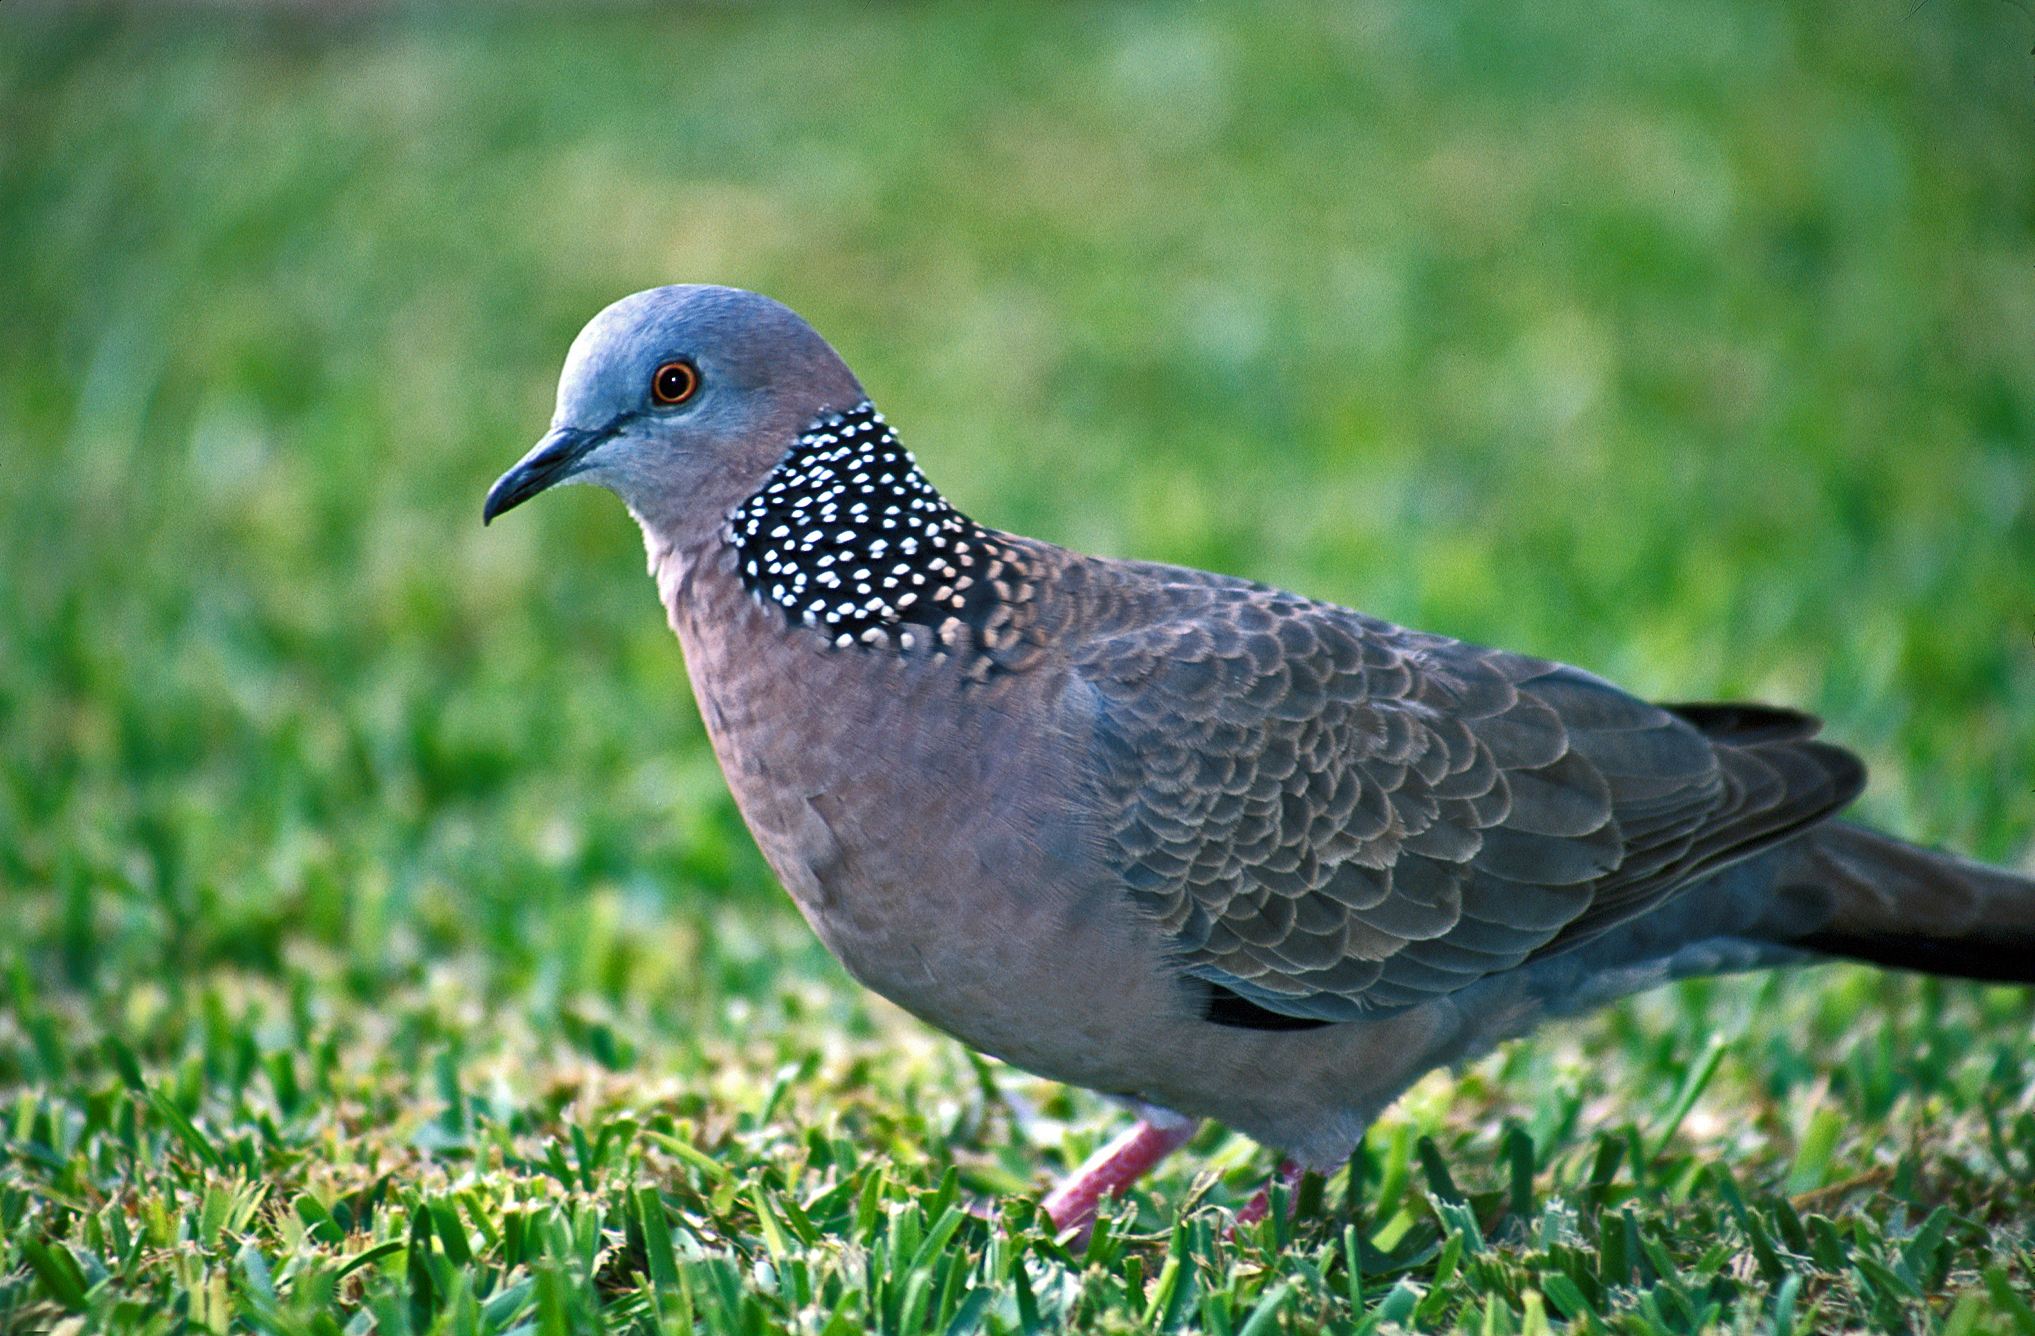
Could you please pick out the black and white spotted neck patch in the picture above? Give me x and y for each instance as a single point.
(849, 538)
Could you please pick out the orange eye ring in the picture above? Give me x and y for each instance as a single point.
(674, 383)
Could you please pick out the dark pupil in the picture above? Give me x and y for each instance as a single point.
(671, 382)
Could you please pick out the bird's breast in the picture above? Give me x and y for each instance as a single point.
(929, 822)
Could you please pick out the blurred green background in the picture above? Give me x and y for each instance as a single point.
(1691, 342)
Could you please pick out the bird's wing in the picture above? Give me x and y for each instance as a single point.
(1330, 816)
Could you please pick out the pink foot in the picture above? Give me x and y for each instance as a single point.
(1112, 1169)
(1254, 1210)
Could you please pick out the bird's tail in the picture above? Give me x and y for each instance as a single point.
(1898, 905)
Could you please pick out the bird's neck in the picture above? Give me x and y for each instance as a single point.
(848, 538)
(846, 552)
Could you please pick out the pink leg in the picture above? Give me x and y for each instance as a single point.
(1112, 1169)
(1254, 1210)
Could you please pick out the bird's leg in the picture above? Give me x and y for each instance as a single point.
(1112, 1169)
(1254, 1210)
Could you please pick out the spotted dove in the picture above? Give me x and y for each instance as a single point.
(1217, 849)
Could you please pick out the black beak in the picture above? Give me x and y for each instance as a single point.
(553, 460)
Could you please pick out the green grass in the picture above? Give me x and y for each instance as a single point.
(381, 951)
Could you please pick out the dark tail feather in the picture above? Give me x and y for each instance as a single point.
(1910, 908)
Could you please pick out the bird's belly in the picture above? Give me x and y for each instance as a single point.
(929, 834)
(975, 923)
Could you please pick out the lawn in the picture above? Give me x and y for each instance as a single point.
(381, 950)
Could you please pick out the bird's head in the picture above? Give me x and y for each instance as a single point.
(681, 400)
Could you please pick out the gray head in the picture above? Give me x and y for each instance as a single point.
(681, 400)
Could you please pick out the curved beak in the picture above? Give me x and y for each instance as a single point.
(554, 459)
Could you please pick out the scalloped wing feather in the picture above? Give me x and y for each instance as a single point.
(1332, 816)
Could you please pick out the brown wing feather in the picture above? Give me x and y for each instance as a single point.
(1330, 815)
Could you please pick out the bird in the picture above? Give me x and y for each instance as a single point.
(1211, 848)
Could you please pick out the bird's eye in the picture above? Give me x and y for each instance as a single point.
(675, 382)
